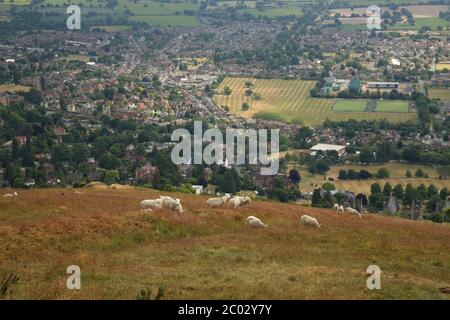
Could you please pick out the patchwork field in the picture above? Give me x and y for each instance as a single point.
(96, 12)
(290, 99)
(392, 106)
(439, 93)
(211, 253)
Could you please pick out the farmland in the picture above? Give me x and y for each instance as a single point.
(150, 12)
(13, 88)
(211, 253)
(397, 176)
(439, 93)
(392, 106)
(291, 99)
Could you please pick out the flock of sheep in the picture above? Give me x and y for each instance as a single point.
(234, 202)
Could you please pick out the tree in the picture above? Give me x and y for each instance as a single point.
(387, 189)
(366, 156)
(294, 176)
(342, 175)
(408, 174)
(245, 106)
(410, 194)
(383, 173)
(432, 191)
(15, 152)
(112, 176)
(398, 191)
(444, 193)
(227, 91)
(419, 173)
(328, 186)
(375, 188)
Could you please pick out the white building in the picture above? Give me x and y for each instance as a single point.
(328, 147)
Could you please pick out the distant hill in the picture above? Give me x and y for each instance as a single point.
(211, 253)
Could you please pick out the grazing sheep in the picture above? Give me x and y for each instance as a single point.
(151, 204)
(10, 195)
(336, 206)
(340, 209)
(244, 200)
(255, 222)
(217, 202)
(310, 221)
(353, 211)
(234, 203)
(172, 204)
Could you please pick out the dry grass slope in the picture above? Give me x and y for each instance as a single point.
(211, 253)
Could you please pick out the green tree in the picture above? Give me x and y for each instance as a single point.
(398, 191)
(375, 188)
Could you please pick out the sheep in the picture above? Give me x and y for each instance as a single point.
(255, 222)
(308, 220)
(10, 195)
(340, 209)
(244, 200)
(234, 203)
(151, 204)
(217, 202)
(353, 211)
(336, 207)
(172, 204)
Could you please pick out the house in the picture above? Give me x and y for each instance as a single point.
(327, 147)
(197, 188)
(146, 173)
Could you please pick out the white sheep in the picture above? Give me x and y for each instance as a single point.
(244, 200)
(308, 220)
(172, 204)
(10, 195)
(151, 204)
(234, 203)
(340, 209)
(353, 211)
(217, 202)
(255, 222)
(336, 207)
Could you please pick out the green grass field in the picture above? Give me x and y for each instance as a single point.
(439, 93)
(433, 23)
(211, 253)
(350, 106)
(96, 12)
(392, 106)
(290, 99)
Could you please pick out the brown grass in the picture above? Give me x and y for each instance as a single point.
(211, 253)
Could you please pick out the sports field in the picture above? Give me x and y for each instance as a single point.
(392, 106)
(350, 105)
(291, 100)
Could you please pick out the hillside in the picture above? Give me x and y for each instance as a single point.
(211, 253)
